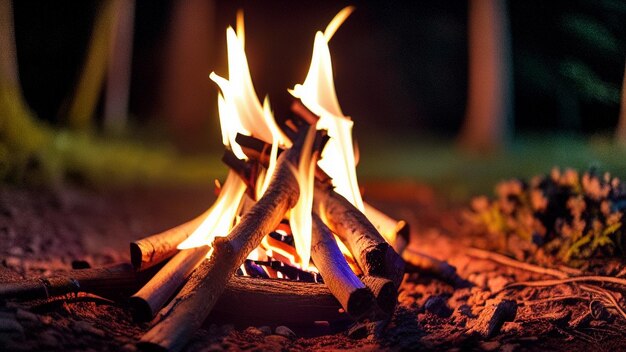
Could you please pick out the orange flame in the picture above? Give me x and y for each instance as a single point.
(300, 216)
(318, 94)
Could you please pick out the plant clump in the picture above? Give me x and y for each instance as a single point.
(564, 215)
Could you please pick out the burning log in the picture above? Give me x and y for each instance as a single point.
(373, 254)
(192, 305)
(153, 296)
(101, 281)
(149, 251)
(352, 294)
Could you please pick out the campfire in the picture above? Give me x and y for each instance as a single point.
(289, 238)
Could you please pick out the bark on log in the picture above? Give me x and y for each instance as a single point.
(286, 301)
(105, 281)
(352, 294)
(373, 254)
(151, 250)
(155, 294)
(274, 300)
(196, 299)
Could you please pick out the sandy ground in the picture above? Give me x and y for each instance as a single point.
(43, 231)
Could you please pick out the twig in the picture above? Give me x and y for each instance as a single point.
(553, 282)
(501, 259)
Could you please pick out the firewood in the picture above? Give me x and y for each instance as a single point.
(398, 230)
(354, 296)
(306, 302)
(420, 262)
(102, 281)
(373, 254)
(151, 250)
(274, 300)
(385, 293)
(155, 294)
(186, 312)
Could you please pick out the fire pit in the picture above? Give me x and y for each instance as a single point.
(289, 256)
(288, 240)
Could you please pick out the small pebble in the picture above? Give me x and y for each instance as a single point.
(438, 305)
(490, 345)
(285, 331)
(265, 329)
(227, 329)
(16, 251)
(277, 339)
(129, 347)
(254, 331)
(46, 319)
(10, 326)
(13, 262)
(214, 347)
(48, 339)
(85, 327)
(25, 315)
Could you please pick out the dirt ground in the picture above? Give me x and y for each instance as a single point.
(43, 231)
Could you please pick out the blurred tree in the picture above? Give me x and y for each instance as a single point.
(489, 105)
(620, 133)
(183, 100)
(84, 99)
(119, 67)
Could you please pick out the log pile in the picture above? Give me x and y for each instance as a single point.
(357, 272)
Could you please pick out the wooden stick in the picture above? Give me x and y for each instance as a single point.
(306, 302)
(194, 302)
(352, 294)
(154, 249)
(153, 296)
(373, 254)
(420, 262)
(102, 281)
(386, 295)
(274, 300)
(397, 232)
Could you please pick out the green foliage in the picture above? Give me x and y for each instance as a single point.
(563, 215)
(591, 32)
(589, 85)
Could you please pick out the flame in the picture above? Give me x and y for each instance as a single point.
(221, 215)
(300, 216)
(239, 107)
(239, 112)
(318, 94)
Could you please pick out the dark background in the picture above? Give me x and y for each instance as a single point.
(399, 66)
